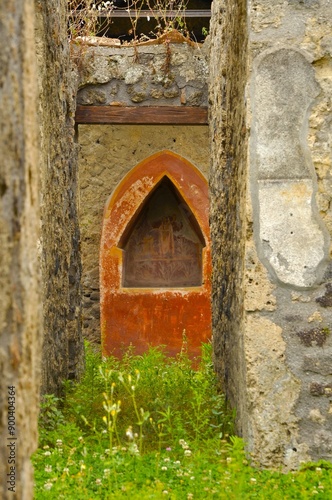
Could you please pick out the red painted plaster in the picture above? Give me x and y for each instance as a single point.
(153, 316)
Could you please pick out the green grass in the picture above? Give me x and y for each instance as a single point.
(150, 427)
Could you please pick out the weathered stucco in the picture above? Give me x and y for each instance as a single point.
(292, 241)
(20, 311)
(290, 172)
(165, 309)
(228, 78)
(107, 154)
(274, 367)
(154, 75)
(163, 75)
(60, 258)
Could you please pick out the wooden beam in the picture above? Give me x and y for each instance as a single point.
(153, 115)
(147, 13)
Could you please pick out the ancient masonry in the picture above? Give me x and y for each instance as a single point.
(20, 312)
(265, 73)
(271, 187)
(270, 191)
(109, 152)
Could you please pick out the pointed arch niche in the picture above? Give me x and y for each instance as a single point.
(155, 258)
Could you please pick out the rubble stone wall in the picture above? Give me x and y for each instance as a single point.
(155, 75)
(20, 312)
(281, 382)
(60, 257)
(228, 136)
(172, 75)
(107, 154)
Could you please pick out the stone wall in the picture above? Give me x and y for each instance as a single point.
(270, 82)
(154, 75)
(107, 153)
(60, 258)
(174, 74)
(20, 312)
(228, 78)
(288, 316)
(281, 380)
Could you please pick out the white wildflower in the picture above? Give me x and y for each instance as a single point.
(129, 433)
(184, 445)
(107, 472)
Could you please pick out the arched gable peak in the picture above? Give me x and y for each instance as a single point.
(127, 200)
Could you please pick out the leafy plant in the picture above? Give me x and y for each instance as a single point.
(154, 427)
(50, 415)
(88, 18)
(84, 17)
(169, 15)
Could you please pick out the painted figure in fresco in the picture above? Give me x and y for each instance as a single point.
(148, 245)
(163, 249)
(166, 238)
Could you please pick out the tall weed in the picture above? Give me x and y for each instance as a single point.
(151, 427)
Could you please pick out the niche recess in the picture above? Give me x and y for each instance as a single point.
(155, 260)
(164, 245)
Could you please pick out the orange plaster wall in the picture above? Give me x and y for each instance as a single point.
(153, 316)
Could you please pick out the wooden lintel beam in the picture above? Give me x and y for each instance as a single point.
(144, 115)
(148, 13)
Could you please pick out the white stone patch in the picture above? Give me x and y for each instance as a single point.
(291, 239)
(134, 74)
(316, 416)
(100, 71)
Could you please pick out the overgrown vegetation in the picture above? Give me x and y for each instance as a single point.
(150, 427)
(84, 18)
(88, 18)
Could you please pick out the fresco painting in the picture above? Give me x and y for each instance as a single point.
(155, 259)
(163, 248)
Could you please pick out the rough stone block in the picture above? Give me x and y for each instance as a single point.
(318, 364)
(284, 88)
(291, 239)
